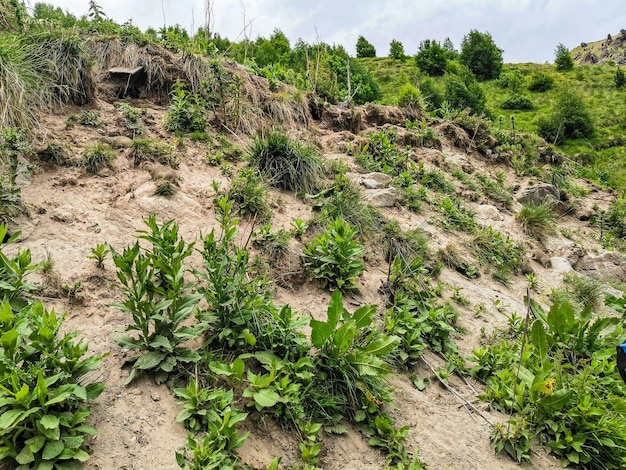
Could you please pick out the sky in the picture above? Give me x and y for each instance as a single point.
(527, 30)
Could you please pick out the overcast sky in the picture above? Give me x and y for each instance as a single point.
(527, 30)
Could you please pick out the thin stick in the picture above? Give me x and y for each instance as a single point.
(521, 355)
(465, 401)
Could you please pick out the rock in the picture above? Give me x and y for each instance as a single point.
(67, 214)
(560, 265)
(382, 179)
(488, 212)
(540, 194)
(563, 248)
(118, 141)
(385, 197)
(370, 183)
(541, 258)
(606, 266)
(527, 266)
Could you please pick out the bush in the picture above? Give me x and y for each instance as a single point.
(96, 156)
(410, 98)
(285, 163)
(148, 150)
(570, 119)
(431, 58)
(518, 102)
(540, 82)
(481, 55)
(186, 113)
(537, 220)
(249, 192)
(511, 80)
(432, 93)
(334, 257)
(463, 91)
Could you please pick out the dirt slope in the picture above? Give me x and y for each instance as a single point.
(71, 212)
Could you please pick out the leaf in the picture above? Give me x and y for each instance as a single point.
(266, 397)
(383, 345)
(21, 395)
(35, 443)
(220, 368)
(49, 422)
(94, 390)
(343, 338)
(52, 449)
(160, 341)
(557, 400)
(335, 309)
(320, 332)
(9, 418)
(150, 360)
(25, 456)
(363, 316)
(539, 340)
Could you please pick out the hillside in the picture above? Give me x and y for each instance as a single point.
(264, 279)
(609, 50)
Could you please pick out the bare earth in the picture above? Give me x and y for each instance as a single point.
(71, 212)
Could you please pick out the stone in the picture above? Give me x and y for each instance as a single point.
(606, 266)
(540, 194)
(118, 141)
(67, 214)
(370, 183)
(385, 197)
(488, 212)
(560, 265)
(382, 179)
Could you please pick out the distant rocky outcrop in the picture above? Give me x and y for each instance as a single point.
(612, 49)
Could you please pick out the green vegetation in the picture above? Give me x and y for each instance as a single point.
(566, 393)
(285, 163)
(43, 407)
(480, 54)
(364, 48)
(97, 156)
(334, 257)
(537, 220)
(563, 59)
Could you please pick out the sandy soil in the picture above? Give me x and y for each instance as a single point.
(71, 212)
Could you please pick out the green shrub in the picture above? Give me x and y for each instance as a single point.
(132, 117)
(159, 301)
(334, 257)
(570, 119)
(463, 91)
(186, 113)
(518, 102)
(541, 81)
(285, 163)
(499, 251)
(43, 408)
(411, 98)
(364, 48)
(97, 156)
(511, 80)
(148, 150)
(431, 58)
(619, 78)
(249, 192)
(537, 220)
(343, 201)
(481, 55)
(568, 395)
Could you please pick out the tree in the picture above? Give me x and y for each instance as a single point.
(274, 50)
(431, 58)
(463, 91)
(620, 78)
(481, 55)
(448, 46)
(396, 50)
(364, 48)
(570, 119)
(562, 58)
